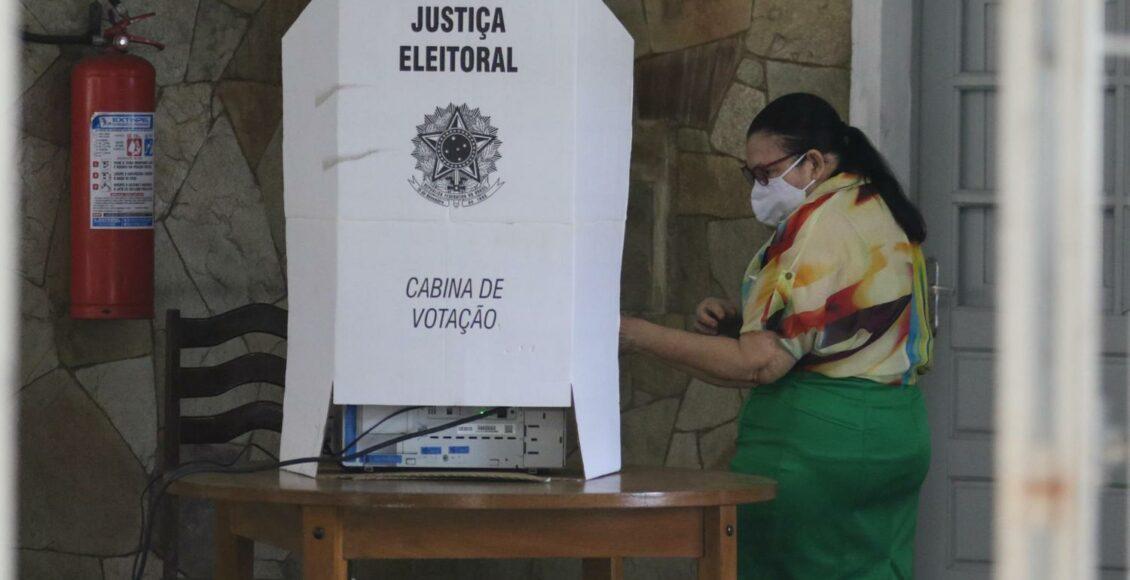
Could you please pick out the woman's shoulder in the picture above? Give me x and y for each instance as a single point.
(857, 211)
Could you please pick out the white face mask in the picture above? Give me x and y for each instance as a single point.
(774, 201)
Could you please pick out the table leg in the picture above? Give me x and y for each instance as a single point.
(235, 555)
(322, 542)
(719, 544)
(602, 569)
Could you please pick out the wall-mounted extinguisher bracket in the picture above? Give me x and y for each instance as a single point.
(113, 99)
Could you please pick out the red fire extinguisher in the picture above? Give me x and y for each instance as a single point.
(113, 98)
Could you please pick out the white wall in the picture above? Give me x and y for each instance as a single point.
(882, 79)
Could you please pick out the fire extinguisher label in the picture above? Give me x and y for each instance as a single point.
(121, 171)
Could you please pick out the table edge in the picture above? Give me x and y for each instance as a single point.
(381, 500)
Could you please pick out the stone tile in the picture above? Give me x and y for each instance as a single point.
(693, 141)
(47, 565)
(220, 227)
(446, 569)
(670, 320)
(686, 87)
(815, 31)
(182, 125)
(45, 105)
(573, 461)
(372, 569)
(651, 154)
(269, 552)
(731, 245)
(717, 446)
(270, 176)
(159, 374)
(115, 568)
(645, 432)
(660, 569)
(711, 185)
(556, 569)
(259, 56)
(125, 391)
(631, 15)
(246, 6)
(625, 388)
(653, 377)
(37, 334)
(684, 451)
(688, 268)
(59, 14)
(642, 398)
(833, 84)
(217, 106)
(87, 342)
(219, 28)
(678, 24)
(255, 110)
(70, 509)
(267, 570)
(637, 273)
(262, 342)
(752, 73)
(173, 26)
(35, 58)
(57, 279)
(213, 355)
(739, 108)
(173, 287)
(195, 522)
(267, 442)
(44, 171)
(705, 406)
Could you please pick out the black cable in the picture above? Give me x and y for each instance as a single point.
(358, 439)
(93, 30)
(180, 472)
(57, 38)
(157, 476)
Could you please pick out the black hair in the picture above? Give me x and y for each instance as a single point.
(804, 121)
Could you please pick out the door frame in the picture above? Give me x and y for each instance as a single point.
(884, 81)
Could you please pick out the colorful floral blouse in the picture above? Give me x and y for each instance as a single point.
(843, 287)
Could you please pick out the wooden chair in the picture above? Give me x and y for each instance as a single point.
(199, 382)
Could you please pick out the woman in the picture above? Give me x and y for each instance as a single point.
(833, 335)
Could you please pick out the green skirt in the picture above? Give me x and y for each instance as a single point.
(849, 456)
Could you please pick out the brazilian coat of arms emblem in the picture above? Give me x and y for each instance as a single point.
(456, 150)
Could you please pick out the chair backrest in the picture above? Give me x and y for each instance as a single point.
(197, 382)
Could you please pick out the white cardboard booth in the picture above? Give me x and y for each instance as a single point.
(456, 182)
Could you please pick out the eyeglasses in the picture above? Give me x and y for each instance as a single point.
(760, 173)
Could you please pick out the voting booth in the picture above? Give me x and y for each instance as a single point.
(456, 182)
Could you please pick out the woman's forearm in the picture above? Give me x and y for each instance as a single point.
(719, 358)
(707, 377)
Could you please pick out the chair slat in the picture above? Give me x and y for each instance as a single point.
(224, 427)
(256, 367)
(202, 332)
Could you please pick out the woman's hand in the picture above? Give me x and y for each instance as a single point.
(711, 313)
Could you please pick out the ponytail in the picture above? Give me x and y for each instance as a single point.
(804, 121)
(860, 157)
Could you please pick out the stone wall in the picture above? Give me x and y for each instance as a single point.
(90, 391)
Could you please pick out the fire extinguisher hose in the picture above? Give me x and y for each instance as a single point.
(57, 38)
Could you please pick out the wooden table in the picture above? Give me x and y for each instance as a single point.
(657, 512)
